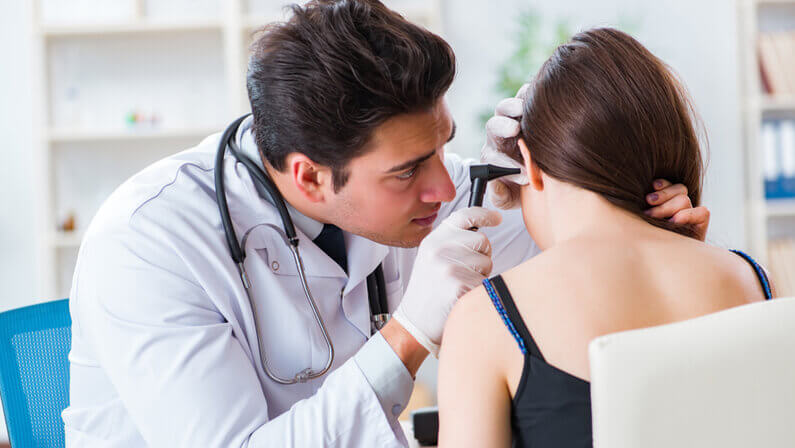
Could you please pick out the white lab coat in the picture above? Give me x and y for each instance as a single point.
(164, 349)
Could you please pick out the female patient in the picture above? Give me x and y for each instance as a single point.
(602, 120)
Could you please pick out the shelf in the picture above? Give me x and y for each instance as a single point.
(413, 13)
(65, 240)
(780, 208)
(777, 104)
(140, 27)
(775, 2)
(256, 22)
(68, 136)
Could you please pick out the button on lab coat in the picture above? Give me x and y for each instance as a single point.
(165, 350)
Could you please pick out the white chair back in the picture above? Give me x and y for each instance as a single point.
(722, 380)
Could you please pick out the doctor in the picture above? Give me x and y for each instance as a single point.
(176, 344)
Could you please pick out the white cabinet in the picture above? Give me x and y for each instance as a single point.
(771, 222)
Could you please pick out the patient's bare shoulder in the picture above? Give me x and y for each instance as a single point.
(476, 335)
(734, 273)
(474, 319)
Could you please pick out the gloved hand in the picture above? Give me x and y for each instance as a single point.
(502, 132)
(450, 261)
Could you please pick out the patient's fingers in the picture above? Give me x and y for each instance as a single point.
(697, 217)
(671, 207)
(659, 184)
(666, 194)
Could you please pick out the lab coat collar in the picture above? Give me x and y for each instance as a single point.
(259, 227)
(247, 145)
(250, 211)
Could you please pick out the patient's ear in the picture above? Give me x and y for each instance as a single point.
(533, 171)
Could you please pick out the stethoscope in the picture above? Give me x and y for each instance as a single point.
(376, 289)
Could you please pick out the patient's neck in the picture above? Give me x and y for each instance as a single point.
(571, 212)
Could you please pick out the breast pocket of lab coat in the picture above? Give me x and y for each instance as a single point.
(286, 323)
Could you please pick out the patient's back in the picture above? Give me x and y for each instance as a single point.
(587, 287)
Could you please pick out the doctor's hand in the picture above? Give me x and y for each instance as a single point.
(502, 132)
(450, 261)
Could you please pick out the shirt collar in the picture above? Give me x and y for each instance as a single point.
(245, 140)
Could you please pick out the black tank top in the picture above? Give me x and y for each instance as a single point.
(552, 408)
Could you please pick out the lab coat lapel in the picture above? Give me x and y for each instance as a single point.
(363, 257)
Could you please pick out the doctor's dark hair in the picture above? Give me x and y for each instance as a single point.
(606, 115)
(321, 82)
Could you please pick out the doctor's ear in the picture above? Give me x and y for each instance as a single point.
(312, 179)
(533, 171)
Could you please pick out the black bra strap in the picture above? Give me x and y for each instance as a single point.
(513, 315)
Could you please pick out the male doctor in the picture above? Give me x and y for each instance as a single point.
(350, 123)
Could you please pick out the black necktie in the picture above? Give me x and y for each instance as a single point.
(332, 243)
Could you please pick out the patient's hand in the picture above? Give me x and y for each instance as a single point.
(672, 202)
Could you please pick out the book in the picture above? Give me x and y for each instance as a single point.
(777, 144)
(786, 141)
(777, 63)
(770, 157)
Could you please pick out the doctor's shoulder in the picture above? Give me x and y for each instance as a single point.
(158, 226)
(167, 190)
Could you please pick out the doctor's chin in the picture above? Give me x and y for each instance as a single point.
(398, 223)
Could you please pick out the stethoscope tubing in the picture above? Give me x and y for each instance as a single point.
(238, 254)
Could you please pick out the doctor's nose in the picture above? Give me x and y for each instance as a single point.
(438, 186)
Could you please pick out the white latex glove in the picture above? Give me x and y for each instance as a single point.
(502, 131)
(450, 261)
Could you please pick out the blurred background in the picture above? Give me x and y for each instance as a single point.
(91, 91)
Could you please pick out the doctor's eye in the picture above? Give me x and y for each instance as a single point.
(408, 174)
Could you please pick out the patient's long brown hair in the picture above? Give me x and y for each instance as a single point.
(608, 116)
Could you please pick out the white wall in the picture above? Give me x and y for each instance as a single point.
(17, 212)
(17, 263)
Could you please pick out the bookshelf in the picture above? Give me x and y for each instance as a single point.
(178, 64)
(770, 222)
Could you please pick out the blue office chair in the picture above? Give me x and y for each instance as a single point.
(34, 373)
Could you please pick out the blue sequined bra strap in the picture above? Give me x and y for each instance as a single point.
(503, 302)
(760, 273)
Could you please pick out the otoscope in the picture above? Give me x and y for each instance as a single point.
(480, 175)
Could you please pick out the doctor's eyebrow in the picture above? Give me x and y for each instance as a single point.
(418, 160)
